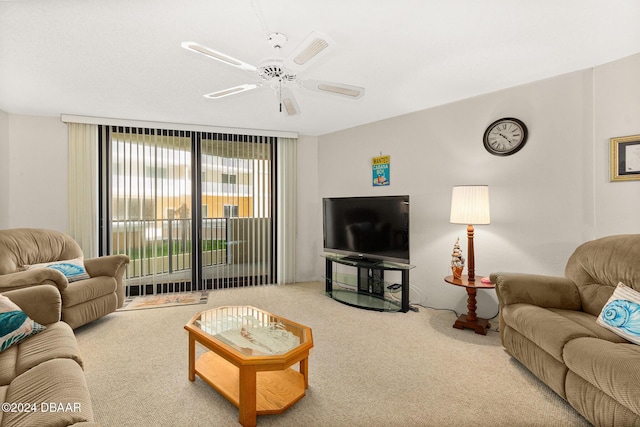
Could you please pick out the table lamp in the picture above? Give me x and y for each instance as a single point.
(470, 205)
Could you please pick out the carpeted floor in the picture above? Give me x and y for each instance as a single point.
(367, 369)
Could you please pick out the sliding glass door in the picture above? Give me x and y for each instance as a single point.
(192, 210)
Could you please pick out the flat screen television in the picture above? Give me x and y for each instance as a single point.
(370, 228)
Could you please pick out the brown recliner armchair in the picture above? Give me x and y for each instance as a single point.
(83, 301)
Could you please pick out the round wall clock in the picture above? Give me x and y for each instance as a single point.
(505, 136)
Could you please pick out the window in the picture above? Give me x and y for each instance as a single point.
(230, 211)
(228, 179)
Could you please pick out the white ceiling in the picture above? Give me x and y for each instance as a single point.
(122, 58)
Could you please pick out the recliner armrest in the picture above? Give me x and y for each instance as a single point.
(28, 278)
(41, 303)
(109, 265)
(543, 291)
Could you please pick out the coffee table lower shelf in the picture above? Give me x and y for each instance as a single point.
(276, 391)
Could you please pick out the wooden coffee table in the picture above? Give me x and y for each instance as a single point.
(250, 358)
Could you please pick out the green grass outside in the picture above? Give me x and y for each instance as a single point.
(156, 250)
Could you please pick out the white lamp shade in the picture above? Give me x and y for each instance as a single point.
(470, 205)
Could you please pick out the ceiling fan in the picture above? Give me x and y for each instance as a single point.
(281, 74)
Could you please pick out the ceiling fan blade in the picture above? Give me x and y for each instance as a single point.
(218, 56)
(341, 89)
(231, 91)
(315, 45)
(288, 103)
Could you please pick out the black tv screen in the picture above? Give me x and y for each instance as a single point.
(375, 228)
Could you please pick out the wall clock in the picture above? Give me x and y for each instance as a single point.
(505, 136)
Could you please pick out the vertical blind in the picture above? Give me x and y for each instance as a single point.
(286, 204)
(193, 209)
(149, 204)
(237, 181)
(83, 179)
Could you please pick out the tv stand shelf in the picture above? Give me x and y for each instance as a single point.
(367, 288)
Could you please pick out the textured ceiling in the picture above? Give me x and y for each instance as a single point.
(122, 59)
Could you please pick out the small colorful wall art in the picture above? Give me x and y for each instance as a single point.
(380, 167)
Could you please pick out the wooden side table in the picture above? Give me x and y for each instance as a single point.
(471, 320)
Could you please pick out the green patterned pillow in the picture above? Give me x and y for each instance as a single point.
(15, 325)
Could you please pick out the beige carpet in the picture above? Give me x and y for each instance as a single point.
(367, 369)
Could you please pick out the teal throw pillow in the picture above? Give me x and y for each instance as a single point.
(15, 325)
(73, 269)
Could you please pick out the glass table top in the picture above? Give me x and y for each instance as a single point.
(251, 331)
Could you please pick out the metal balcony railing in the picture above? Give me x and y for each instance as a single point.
(163, 246)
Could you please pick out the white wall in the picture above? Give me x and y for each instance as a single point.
(4, 170)
(617, 113)
(543, 199)
(38, 167)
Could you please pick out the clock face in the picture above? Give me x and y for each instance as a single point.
(505, 136)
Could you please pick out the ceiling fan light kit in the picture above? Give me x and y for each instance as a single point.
(281, 74)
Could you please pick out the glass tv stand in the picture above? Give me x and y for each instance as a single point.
(367, 288)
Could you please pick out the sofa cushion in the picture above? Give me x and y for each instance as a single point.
(551, 371)
(86, 312)
(588, 321)
(610, 367)
(621, 313)
(545, 328)
(73, 269)
(15, 325)
(88, 290)
(3, 394)
(57, 342)
(8, 365)
(60, 382)
(597, 407)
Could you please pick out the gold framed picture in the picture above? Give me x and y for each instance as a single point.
(625, 158)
